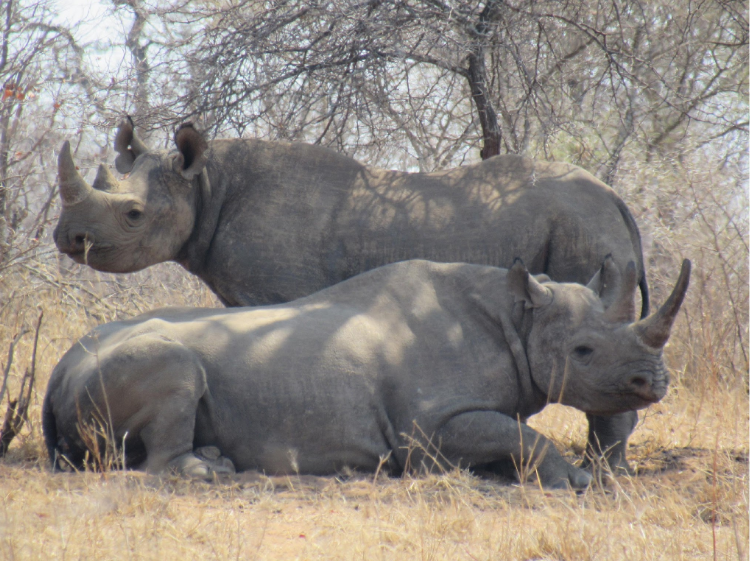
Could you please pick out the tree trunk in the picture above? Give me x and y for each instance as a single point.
(477, 76)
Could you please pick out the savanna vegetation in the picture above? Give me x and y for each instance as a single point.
(650, 97)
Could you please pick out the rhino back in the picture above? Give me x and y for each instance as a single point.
(557, 218)
(296, 218)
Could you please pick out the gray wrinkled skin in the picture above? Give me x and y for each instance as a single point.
(269, 222)
(449, 355)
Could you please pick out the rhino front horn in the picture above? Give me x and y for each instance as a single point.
(73, 189)
(654, 330)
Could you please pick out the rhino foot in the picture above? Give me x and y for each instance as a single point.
(614, 464)
(204, 463)
(608, 443)
(562, 475)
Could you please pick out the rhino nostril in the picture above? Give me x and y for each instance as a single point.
(639, 382)
(79, 239)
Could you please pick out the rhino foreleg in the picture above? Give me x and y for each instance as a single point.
(608, 438)
(483, 437)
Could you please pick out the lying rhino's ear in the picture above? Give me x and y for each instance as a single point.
(606, 282)
(193, 151)
(525, 288)
(127, 145)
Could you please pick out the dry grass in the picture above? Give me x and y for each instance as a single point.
(687, 502)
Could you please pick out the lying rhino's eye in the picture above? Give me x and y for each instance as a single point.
(583, 351)
(134, 214)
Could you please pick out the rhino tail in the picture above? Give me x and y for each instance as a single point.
(635, 238)
(49, 428)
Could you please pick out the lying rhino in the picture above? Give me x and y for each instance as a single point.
(447, 356)
(268, 222)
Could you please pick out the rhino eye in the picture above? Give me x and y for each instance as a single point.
(582, 351)
(134, 214)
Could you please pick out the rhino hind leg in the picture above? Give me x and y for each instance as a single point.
(154, 386)
(608, 439)
(483, 437)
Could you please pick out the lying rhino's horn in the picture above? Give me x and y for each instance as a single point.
(654, 330)
(73, 189)
(623, 307)
(127, 145)
(105, 181)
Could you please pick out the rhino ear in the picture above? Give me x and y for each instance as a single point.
(606, 282)
(192, 151)
(127, 145)
(526, 288)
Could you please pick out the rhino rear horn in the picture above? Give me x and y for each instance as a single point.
(73, 188)
(193, 151)
(623, 307)
(105, 181)
(525, 288)
(606, 282)
(127, 145)
(654, 330)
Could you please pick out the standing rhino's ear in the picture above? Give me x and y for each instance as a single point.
(525, 288)
(193, 151)
(127, 145)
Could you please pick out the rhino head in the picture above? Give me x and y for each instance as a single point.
(125, 225)
(585, 350)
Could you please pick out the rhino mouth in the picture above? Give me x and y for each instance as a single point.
(631, 401)
(650, 396)
(84, 255)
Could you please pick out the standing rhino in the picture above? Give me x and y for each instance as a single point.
(269, 222)
(452, 357)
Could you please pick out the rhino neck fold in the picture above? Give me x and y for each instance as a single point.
(516, 327)
(193, 254)
(523, 321)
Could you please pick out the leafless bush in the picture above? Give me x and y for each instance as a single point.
(694, 207)
(595, 77)
(16, 413)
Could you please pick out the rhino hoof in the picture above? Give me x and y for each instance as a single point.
(205, 463)
(579, 479)
(565, 476)
(218, 464)
(602, 467)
